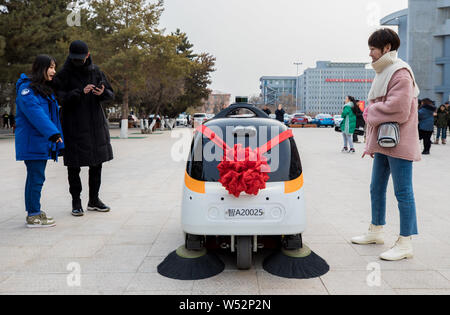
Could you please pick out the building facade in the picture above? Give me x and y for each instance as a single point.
(323, 89)
(424, 30)
(216, 102)
(274, 88)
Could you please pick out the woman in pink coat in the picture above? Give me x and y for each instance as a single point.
(393, 98)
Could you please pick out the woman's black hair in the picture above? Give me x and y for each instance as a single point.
(442, 110)
(39, 84)
(383, 37)
(355, 107)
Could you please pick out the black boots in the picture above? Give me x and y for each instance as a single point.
(77, 208)
(98, 205)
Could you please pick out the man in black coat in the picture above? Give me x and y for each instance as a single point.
(81, 87)
(279, 113)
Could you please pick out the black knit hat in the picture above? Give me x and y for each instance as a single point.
(78, 50)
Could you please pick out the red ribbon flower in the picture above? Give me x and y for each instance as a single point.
(243, 170)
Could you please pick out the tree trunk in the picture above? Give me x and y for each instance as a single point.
(125, 110)
(125, 105)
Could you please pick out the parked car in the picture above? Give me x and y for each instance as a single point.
(299, 119)
(287, 119)
(324, 120)
(337, 120)
(310, 119)
(198, 119)
(182, 120)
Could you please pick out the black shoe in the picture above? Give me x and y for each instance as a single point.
(98, 205)
(426, 152)
(77, 209)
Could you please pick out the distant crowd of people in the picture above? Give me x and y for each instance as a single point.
(430, 117)
(9, 121)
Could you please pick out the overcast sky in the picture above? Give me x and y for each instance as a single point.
(253, 38)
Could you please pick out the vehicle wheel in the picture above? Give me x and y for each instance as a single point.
(244, 252)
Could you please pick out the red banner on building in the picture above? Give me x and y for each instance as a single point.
(350, 80)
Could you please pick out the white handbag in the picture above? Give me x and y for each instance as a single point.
(389, 135)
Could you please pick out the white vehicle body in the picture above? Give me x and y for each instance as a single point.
(207, 209)
(199, 119)
(338, 120)
(182, 120)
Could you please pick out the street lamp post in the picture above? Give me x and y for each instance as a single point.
(296, 86)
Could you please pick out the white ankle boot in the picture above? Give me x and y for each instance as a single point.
(375, 235)
(401, 250)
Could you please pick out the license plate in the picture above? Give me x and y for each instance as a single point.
(241, 213)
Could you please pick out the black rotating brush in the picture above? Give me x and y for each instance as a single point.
(184, 264)
(296, 264)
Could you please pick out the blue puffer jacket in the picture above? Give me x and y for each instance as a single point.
(37, 120)
(426, 117)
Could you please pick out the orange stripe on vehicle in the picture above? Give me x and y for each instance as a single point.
(293, 185)
(194, 185)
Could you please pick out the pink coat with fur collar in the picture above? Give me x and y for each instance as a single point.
(399, 105)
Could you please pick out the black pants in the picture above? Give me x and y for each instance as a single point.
(426, 136)
(95, 180)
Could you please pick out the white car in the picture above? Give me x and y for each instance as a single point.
(182, 120)
(198, 119)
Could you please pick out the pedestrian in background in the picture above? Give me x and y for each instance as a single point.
(360, 123)
(5, 121)
(81, 88)
(441, 124)
(39, 134)
(348, 124)
(267, 110)
(426, 124)
(447, 107)
(12, 122)
(279, 113)
(393, 98)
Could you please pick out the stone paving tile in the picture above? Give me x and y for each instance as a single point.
(268, 282)
(228, 283)
(422, 292)
(150, 264)
(353, 282)
(445, 273)
(415, 280)
(50, 265)
(340, 257)
(155, 282)
(13, 258)
(135, 235)
(165, 244)
(406, 264)
(77, 247)
(117, 258)
(34, 283)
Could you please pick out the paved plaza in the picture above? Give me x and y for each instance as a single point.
(118, 252)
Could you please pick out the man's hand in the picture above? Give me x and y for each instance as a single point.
(98, 91)
(365, 153)
(89, 88)
(59, 140)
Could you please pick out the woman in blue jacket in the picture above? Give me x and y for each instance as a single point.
(426, 124)
(38, 134)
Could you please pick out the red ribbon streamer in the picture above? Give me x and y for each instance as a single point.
(250, 174)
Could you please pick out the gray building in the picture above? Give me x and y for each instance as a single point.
(424, 30)
(273, 87)
(323, 89)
